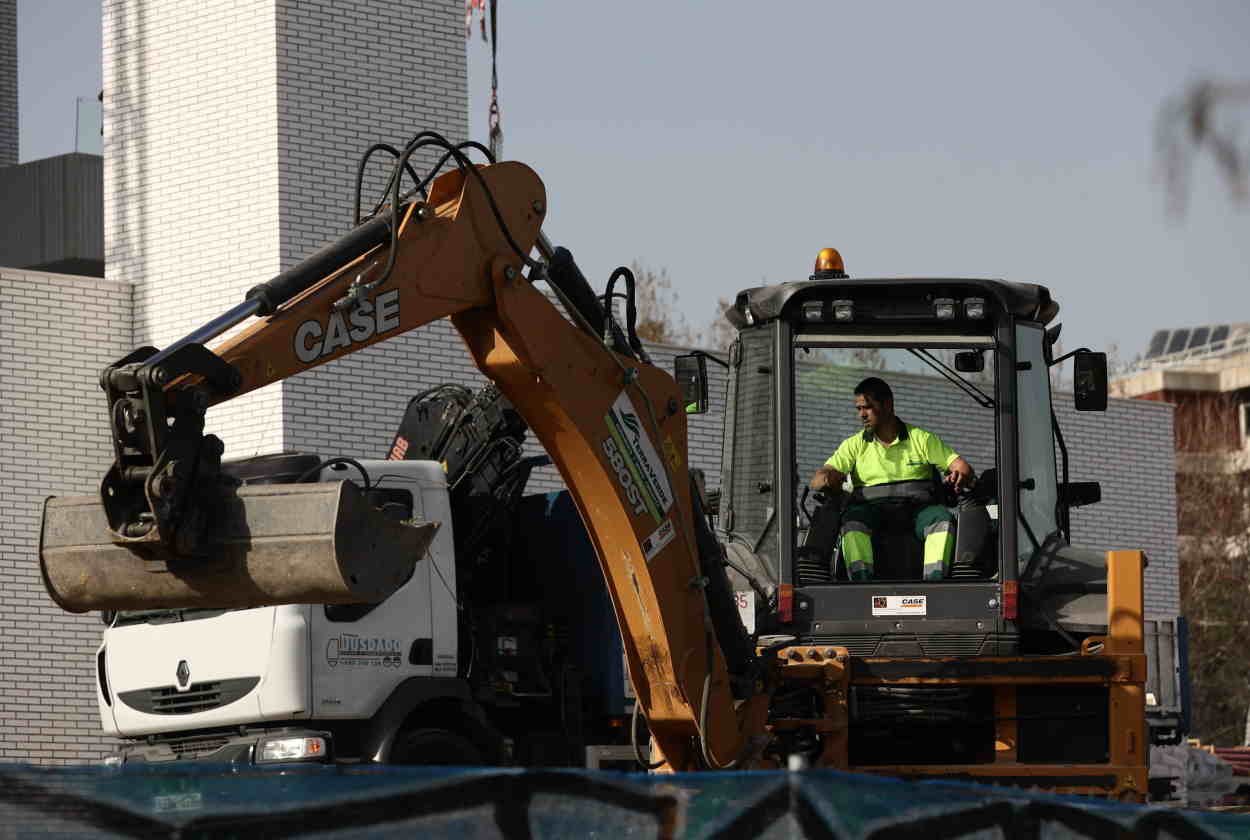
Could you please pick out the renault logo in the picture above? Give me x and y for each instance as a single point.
(183, 673)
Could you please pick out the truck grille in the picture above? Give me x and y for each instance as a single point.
(200, 697)
(194, 746)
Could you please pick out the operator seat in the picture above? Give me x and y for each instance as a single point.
(897, 553)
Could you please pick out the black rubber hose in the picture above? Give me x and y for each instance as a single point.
(631, 310)
(564, 274)
(735, 644)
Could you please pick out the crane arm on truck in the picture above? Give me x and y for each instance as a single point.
(613, 424)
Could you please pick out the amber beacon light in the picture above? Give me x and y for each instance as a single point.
(829, 265)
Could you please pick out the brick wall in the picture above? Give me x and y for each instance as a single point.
(8, 82)
(201, 207)
(350, 75)
(1129, 450)
(56, 333)
(191, 183)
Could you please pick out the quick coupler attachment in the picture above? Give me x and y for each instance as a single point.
(269, 544)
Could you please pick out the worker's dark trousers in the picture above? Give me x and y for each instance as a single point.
(933, 528)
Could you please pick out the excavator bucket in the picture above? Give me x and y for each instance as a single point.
(272, 544)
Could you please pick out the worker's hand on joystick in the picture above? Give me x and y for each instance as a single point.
(959, 475)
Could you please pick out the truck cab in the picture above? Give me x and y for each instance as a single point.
(180, 680)
(492, 652)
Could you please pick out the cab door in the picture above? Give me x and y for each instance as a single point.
(360, 652)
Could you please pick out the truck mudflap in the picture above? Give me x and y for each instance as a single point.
(271, 544)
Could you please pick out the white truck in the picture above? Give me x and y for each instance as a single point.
(496, 650)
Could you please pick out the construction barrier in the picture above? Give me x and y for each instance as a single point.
(376, 801)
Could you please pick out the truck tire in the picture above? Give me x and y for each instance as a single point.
(435, 746)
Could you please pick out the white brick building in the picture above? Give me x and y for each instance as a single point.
(56, 333)
(224, 170)
(231, 135)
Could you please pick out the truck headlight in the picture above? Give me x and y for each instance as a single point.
(843, 310)
(974, 308)
(291, 749)
(944, 308)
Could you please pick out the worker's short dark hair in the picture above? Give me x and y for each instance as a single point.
(876, 388)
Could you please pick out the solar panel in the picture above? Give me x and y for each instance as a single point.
(1179, 339)
(1188, 345)
(1157, 342)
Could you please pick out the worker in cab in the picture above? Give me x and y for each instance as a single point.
(891, 462)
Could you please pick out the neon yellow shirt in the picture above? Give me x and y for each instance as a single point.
(910, 457)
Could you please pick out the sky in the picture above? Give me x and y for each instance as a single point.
(728, 142)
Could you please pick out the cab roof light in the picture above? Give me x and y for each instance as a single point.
(813, 310)
(829, 265)
(974, 308)
(843, 310)
(944, 308)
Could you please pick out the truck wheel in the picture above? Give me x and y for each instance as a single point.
(435, 746)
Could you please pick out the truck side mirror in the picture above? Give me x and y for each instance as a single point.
(970, 361)
(1089, 381)
(690, 371)
(1080, 493)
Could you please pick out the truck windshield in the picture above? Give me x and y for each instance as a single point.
(162, 616)
(955, 407)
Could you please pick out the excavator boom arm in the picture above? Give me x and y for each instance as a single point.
(613, 424)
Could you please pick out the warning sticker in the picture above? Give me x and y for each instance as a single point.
(636, 460)
(899, 605)
(663, 535)
(746, 609)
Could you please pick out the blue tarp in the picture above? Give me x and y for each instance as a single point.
(188, 801)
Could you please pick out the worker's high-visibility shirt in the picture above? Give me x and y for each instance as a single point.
(909, 457)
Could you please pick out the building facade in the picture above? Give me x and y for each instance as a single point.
(56, 333)
(1205, 373)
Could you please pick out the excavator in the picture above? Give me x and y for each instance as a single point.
(1022, 666)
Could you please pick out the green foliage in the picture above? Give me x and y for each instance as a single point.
(1215, 583)
(660, 320)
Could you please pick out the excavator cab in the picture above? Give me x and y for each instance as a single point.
(968, 360)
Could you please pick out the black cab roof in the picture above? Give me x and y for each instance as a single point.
(782, 300)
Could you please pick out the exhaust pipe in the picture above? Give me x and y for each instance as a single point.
(270, 544)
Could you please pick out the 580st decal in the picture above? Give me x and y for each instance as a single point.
(623, 475)
(637, 464)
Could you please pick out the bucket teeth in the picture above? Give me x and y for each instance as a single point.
(269, 544)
